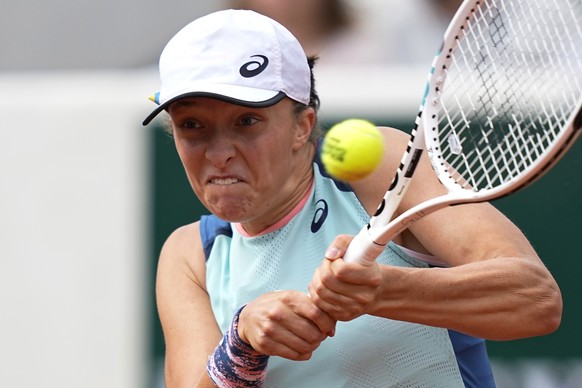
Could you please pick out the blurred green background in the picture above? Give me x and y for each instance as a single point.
(548, 212)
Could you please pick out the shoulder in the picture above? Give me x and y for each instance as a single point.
(372, 188)
(183, 254)
(210, 228)
(185, 236)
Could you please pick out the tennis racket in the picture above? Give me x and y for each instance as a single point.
(501, 107)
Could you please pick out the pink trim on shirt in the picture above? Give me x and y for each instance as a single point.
(282, 222)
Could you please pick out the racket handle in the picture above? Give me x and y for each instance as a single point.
(363, 249)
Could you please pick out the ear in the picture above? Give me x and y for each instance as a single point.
(304, 126)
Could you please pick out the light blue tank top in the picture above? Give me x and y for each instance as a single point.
(366, 352)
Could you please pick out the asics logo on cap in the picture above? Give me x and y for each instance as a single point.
(254, 68)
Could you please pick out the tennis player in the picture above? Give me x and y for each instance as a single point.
(256, 294)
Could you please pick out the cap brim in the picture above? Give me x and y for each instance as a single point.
(251, 104)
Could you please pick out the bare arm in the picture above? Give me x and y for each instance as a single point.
(283, 323)
(496, 286)
(190, 330)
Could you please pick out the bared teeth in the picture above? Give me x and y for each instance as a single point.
(224, 181)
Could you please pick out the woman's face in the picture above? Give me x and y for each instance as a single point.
(242, 163)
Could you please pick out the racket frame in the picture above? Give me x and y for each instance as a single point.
(373, 237)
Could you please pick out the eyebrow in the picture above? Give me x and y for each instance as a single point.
(185, 103)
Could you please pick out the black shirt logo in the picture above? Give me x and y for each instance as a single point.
(320, 215)
(254, 68)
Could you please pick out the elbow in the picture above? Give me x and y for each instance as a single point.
(550, 316)
(546, 305)
(538, 316)
(541, 304)
(545, 315)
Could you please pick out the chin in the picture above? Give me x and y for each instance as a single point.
(229, 213)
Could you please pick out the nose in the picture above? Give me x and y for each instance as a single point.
(220, 150)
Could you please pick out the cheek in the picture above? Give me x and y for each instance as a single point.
(187, 151)
(189, 156)
(274, 168)
(273, 155)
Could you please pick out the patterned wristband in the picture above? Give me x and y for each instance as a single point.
(235, 363)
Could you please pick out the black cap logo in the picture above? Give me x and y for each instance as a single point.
(254, 68)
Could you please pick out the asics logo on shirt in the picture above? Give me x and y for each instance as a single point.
(254, 68)
(321, 210)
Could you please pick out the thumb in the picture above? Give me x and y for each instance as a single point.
(332, 253)
(338, 247)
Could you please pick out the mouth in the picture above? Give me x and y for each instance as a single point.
(223, 181)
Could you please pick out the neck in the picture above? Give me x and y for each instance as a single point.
(298, 186)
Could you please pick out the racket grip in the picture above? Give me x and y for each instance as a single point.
(363, 249)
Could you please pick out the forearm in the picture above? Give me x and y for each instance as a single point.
(503, 298)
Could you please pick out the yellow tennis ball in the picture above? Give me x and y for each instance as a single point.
(352, 149)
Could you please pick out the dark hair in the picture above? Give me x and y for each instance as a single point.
(314, 102)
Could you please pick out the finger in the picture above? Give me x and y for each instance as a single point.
(285, 344)
(339, 307)
(296, 312)
(340, 300)
(339, 272)
(324, 322)
(293, 338)
(304, 307)
(338, 247)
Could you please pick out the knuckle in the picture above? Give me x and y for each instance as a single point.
(261, 343)
(304, 356)
(312, 338)
(362, 300)
(268, 330)
(326, 279)
(376, 280)
(343, 272)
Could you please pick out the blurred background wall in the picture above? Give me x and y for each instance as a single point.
(87, 195)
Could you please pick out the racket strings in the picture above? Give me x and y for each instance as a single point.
(510, 86)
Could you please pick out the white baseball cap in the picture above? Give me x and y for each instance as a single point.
(238, 56)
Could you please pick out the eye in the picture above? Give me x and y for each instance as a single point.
(188, 124)
(188, 128)
(246, 121)
(191, 124)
